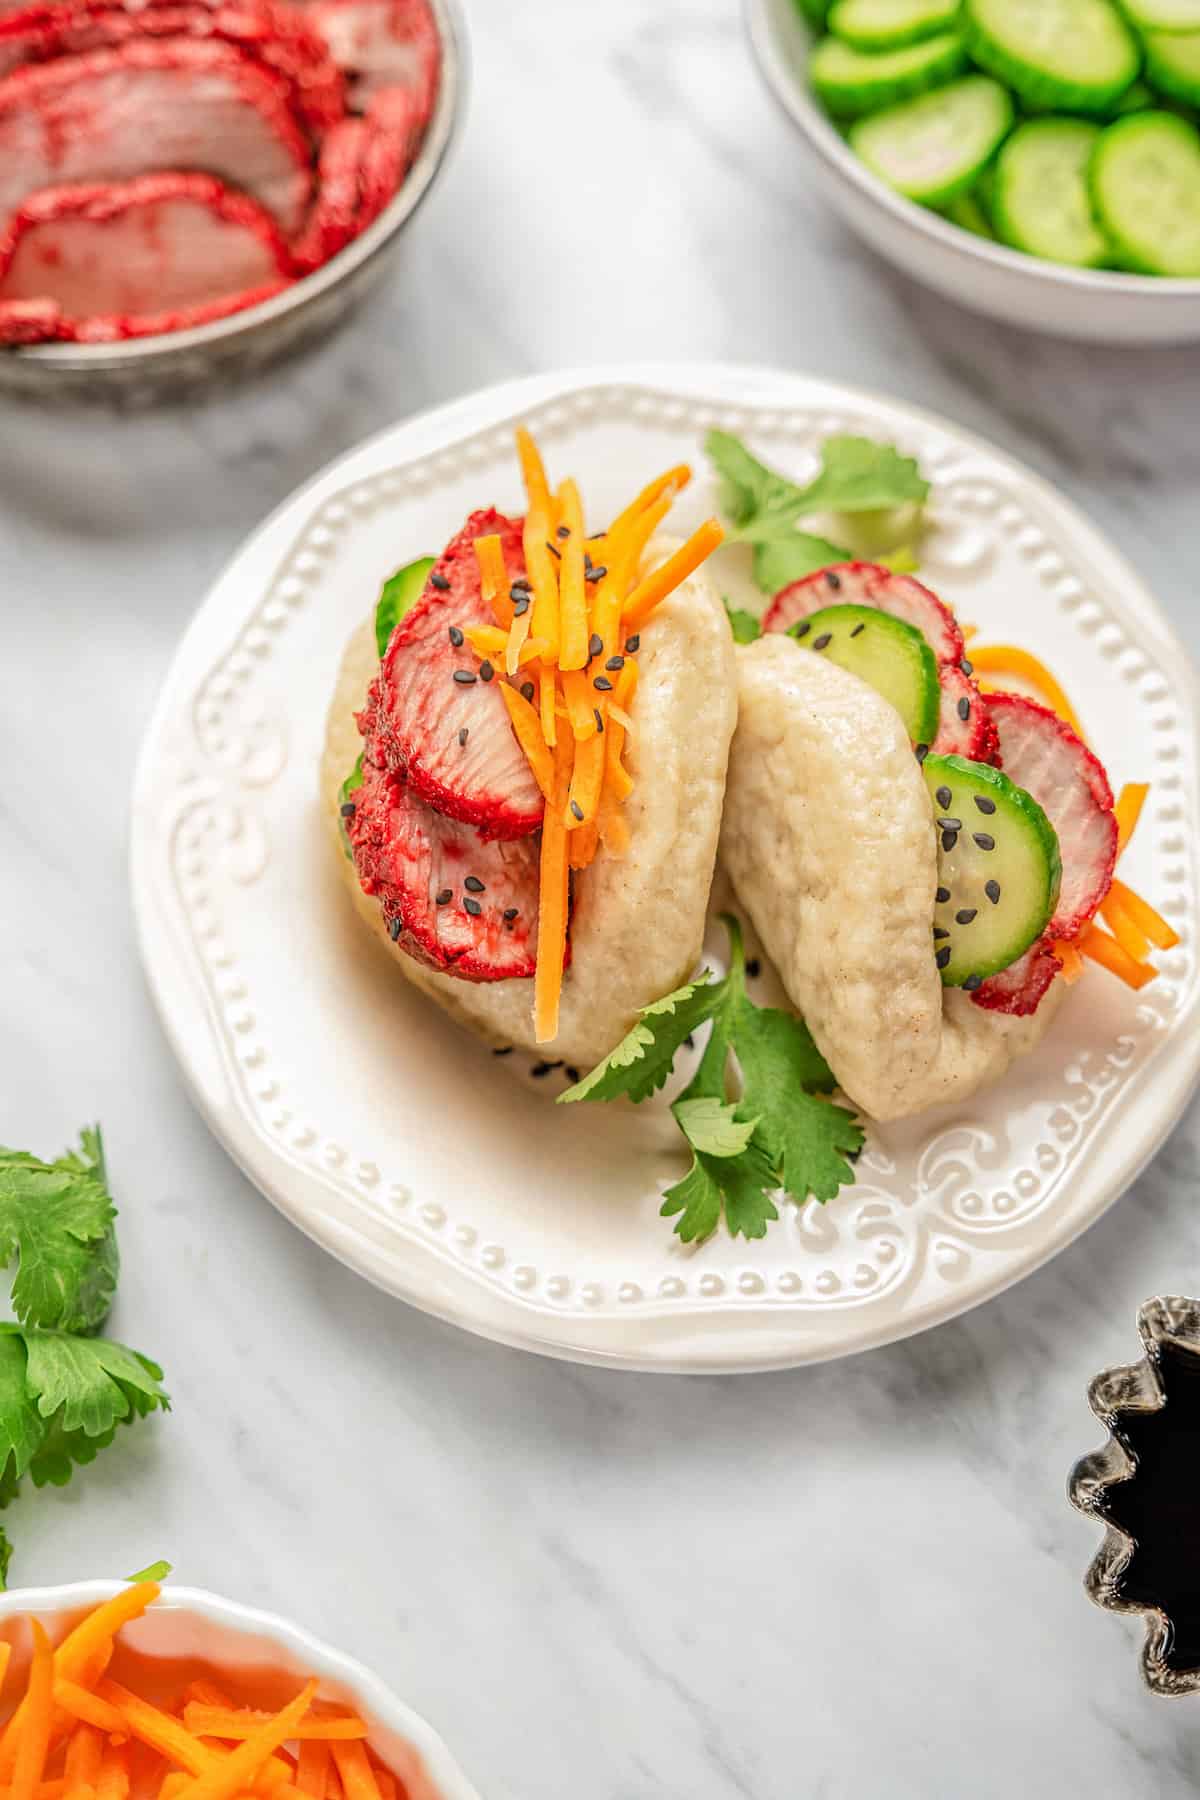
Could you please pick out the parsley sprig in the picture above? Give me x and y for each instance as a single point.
(776, 1129)
(63, 1389)
(765, 509)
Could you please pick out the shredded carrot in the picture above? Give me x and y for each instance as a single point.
(240, 1722)
(206, 1693)
(1072, 962)
(33, 1733)
(385, 1781)
(112, 1783)
(354, 1767)
(667, 486)
(1143, 915)
(82, 1704)
(1011, 659)
(528, 729)
(624, 557)
(572, 587)
(583, 844)
(614, 832)
(548, 704)
(617, 782)
(655, 587)
(552, 909)
(581, 699)
(533, 472)
(312, 1769)
(1129, 810)
(1096, 944)
(5, 1659)
(489, 641)
(172, 1785)
(83, 1763)
(493, 574)
(586, 778)
(541, 568)
(1134, 942)
(227, 1779)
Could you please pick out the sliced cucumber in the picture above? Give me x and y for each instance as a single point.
(887, 654)
(351, 785)
(1173, 64)
(814, 11)
(1146, 188)
(890, 24)
(1137, 98)
(935, 148)
(1164, 15)
(967, 213)
(1043, 202)
(398, 595)
(1065, 55)
(852, 82)
(999, 869)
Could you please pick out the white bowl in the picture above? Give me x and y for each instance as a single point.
(1089, 304)
(189, 1622)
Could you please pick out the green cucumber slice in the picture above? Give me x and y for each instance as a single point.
(935, 148)
(891, 24)
(1137, 98)
(351, 785)
(968, 214)
(852, 82)
(1043, 203)
(1173, 64)
(1164, 15)
(815, 12)
(999, 869)
(1146, 189)
(885, 652)
(398, 595)
(1061, 55)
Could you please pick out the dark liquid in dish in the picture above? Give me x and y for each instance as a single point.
(1159, 1506)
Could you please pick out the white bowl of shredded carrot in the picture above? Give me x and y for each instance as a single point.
(115, 1690)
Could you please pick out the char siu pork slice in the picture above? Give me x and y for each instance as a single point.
(434, 714)
(278, 37)
(336, 212)
(43, 322)
(157, 244)
(382, 44)
(110, 115)
(452, 899)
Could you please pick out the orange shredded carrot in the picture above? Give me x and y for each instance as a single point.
(172, 1785)
(1069, 957)
(385, 1781)
(1143, 915)
(81, 1704)
(533, 472)
(624, 557)
(33, 1734)
(655, 587)
(312, 1769)
(206, 1693)
(83, 1763)
(541, 569)
(588, 774)
(1134, 942)
(5, 1659)
(583, 844)
(614, 832)
(548, 704)
(553, 879)
(528, 729)
(112, 1783)
(490, 641)
(493, 575)
(582, 704)
(152, 1726)
(354, 1767)
(226, 1780)
(617, 782)
(1010, 659)
(1096, 944)
(667, 486)
(240, 1722)
(572, 587)
(1129, 810)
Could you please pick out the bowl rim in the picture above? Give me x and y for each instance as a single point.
(134, 353)
(306, 1646)
(801, 107)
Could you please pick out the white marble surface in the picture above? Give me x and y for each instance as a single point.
(857, 1581)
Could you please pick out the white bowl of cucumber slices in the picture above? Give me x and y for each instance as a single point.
(1037, 160)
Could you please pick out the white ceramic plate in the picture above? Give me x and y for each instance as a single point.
(1092, 304)
(443, 1174)
(187, 1622)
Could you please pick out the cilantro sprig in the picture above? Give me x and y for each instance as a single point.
(765, 510)
(776, 1129)
(63, 1389)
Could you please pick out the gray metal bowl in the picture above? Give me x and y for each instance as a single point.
(147, 369)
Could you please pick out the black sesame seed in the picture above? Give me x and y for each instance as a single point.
(597, 715)
(992, 890)
(944, 797)
(821, 643)
(967, 666)
(966, 916)
(690, 1041)
(943, 957)
(473, 907)
(973, 983)
(940, 932)
(596, 574)
(753, 968)
(964, 708)
(527, 690)
(463, 735)
(985, 805)
(603, 684)
(922, 751)
(984, 841)
(861, 626)
(510, 912)
(564, 531)
(440, 583)
(948, 824)
(473, 885)
(573, 1075)
(631, 645)
(595, 645)
(832, 580)
(520, 606)
(540, 1069)
(456, 637)
(394, 930)
(486, 670)
(802, 629)
(554, 550)
(949, 840)
(464, 677)
(445, 897)
(943, 895)
(349, 810)
(507, 1050)
(577, 809)
(615, 662)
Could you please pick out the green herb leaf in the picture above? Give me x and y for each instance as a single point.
(741, 1186)
(155, 1571)
(399, 594)
(713, 1126)
(57, 1218)
(754, 498)
(858, 475)
(642, 1060)
(744, 626)
(790, 556)
(5, 1559)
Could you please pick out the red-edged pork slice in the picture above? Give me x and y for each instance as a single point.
(1044, 756)
(430, 714)
(393, 132)
(336, 216)
(158, 244)
(109, 115)
(869, 584)
(278, 37)
(383, 44)
(965, 726)
(453, 899)
(114, 328)
(1020, 989)
(30, 322)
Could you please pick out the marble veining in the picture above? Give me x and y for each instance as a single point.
(857, 1581)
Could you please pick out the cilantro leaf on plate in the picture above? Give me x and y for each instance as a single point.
(744, 626)
(791, 555)
(859, 475)
(57, 1219)
(713, 1126)
(739, 1186)
(642, 1060)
